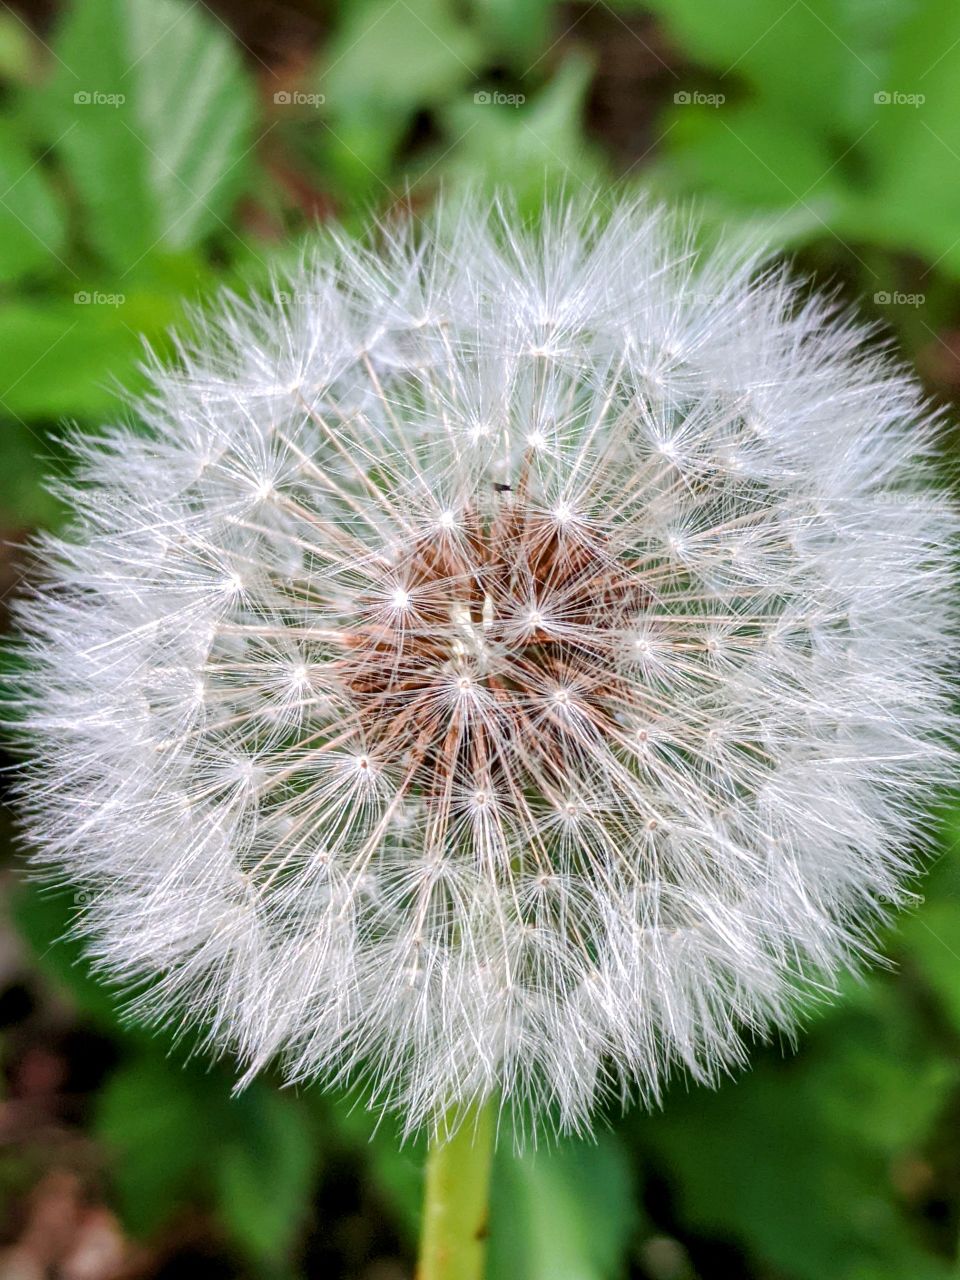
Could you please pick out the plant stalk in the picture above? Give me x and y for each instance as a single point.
(453, 1240)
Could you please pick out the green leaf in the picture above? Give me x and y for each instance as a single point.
(32, 227)
(396, 55)
(933, 935)
(754, 158)
(155, 1127)
(24, 501)
(532, 147)
(385, 61)
(56, 359)
(797, 1161)
(18, 47)
(801, 120)
(160, 1133)
(816, 63)
(395, 1166)
(563, 1213)
(152, 112)
(265, 1172)
(66, 358)
(518, 29)
(179, 1138)
(929, 937)
(914, 147)
(43, 918)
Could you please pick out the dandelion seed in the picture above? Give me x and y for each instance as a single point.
(517, 668)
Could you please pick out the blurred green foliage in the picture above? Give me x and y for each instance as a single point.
(146, 158)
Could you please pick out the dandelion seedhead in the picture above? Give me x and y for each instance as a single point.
(508, 659)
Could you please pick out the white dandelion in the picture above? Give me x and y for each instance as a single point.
(509, 662)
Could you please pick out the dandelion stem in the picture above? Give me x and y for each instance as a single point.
(454, 1225)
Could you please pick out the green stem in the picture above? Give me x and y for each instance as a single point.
(453, 1238)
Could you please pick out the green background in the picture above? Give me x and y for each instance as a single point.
(151, 150)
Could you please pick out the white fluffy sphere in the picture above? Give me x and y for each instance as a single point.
(508, 659)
